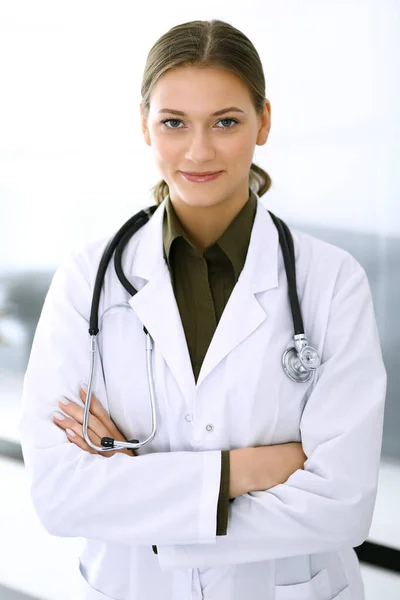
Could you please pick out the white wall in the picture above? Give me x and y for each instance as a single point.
(73, 163)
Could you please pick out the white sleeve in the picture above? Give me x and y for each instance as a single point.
(330, 503)
(153, 498)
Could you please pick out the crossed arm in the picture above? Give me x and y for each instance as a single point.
(327, 504)
(251, 469)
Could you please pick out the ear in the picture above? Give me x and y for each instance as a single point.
(265, 124)
(145, 130)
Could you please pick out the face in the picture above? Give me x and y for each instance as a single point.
(198, 141)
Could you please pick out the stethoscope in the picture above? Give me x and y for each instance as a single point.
(299, 362)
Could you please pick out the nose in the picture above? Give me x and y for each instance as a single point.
(200, 148)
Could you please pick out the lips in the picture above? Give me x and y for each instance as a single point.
(195, 174)
(201, 178)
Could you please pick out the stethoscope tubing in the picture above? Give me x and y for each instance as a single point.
(286, 243)
(296, 368)
(109, 443)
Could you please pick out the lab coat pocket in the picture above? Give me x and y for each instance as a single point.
(84, 591)
(318, 588)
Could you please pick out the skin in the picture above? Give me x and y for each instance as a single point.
(251, 469)
(199, 142)
(100, 425)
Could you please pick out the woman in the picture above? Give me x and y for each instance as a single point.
(300, 460)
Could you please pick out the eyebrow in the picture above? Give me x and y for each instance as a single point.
(215, 114)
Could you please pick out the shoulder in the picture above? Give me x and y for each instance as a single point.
(333, 290)
(84, 257)
(322, 261)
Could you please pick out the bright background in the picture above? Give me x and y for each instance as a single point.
(74, 166)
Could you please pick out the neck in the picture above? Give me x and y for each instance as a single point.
(205, 224)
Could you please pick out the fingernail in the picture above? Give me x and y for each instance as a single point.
(59, 416)
(84, 387)
(64, 400)
(70, 432)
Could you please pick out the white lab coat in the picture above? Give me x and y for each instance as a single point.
(292, 542)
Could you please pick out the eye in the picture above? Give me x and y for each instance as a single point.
(234, 121)
(226, 120)
(171, 121)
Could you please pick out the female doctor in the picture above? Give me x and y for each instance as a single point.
(300, 459)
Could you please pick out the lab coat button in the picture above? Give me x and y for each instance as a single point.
(210, 427)
(188, 417)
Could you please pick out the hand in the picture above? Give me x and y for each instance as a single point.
(273, 465)
(257, 469)
(241, 471)
(99, 425)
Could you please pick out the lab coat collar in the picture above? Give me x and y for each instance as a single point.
(156, 307)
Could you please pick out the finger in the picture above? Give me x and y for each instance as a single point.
(74, 432)
(80, 442)
(98, 411)
(66, 423)
(76, 412)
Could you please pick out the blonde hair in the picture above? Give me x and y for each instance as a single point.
(207, 44)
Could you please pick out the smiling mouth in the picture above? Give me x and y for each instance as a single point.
(200, 174)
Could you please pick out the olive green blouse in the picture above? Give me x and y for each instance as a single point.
(202, 284)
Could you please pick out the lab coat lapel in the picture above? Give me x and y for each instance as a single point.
(243, 312)
(156, 307)
(155, 304)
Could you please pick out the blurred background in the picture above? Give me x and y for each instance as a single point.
(74, 166)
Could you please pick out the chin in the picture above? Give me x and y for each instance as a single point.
(199, 198)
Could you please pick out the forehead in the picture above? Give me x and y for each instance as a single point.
(199, 90)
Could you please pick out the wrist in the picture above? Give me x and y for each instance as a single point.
(242, 478)
(263, 468)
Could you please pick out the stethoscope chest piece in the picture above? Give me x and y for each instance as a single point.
(298, 362)
(299, 365)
